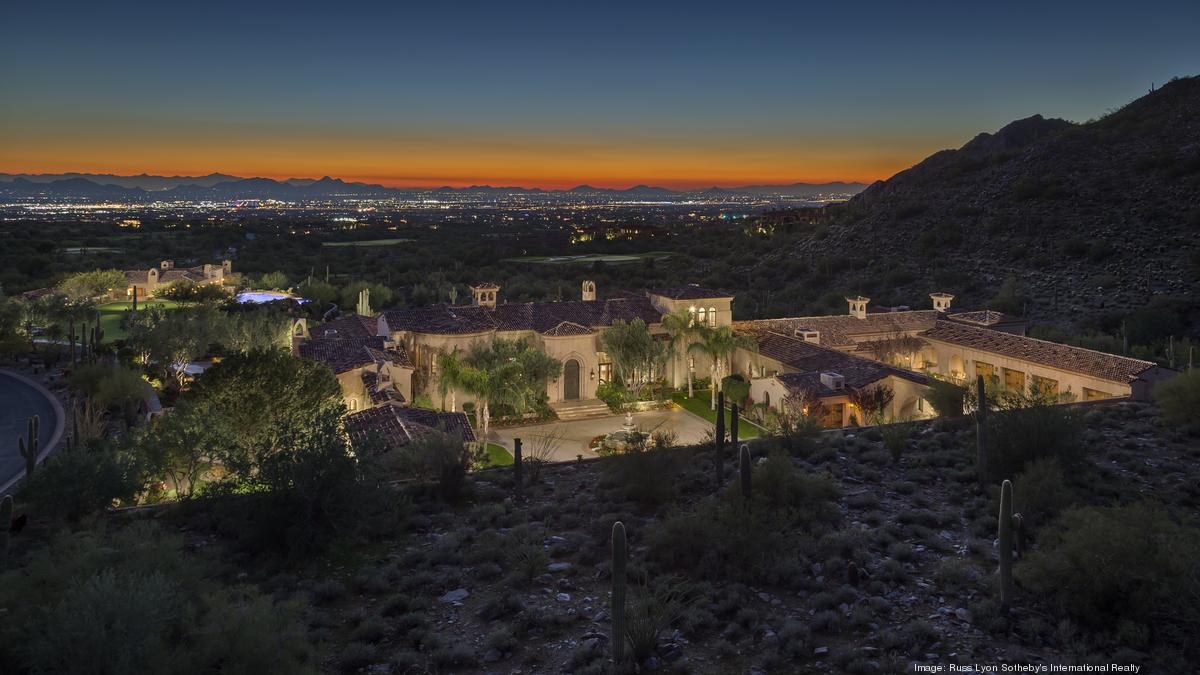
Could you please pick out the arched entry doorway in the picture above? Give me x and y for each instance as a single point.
(571, 380)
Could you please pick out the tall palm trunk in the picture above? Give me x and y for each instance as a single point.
(712, 390)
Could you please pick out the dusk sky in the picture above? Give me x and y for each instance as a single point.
(558, 94)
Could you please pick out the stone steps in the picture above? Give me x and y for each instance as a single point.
(569, 411)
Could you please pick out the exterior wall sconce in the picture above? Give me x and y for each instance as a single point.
(592, 374)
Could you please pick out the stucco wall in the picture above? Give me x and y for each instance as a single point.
(949, 356)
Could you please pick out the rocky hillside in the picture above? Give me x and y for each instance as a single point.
(1091, 217)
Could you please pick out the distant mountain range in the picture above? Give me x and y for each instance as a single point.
(223, 187)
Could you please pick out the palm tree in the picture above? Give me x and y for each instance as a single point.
(681, 327)
(719, 344)
(500, 372)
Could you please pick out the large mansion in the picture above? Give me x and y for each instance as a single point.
(145, 282)
(391, 359)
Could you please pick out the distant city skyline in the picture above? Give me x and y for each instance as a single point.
(553, 96)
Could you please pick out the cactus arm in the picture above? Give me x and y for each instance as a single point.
(747, 482)
(517, 478)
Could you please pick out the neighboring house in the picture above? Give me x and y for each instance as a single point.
(395, 425)
(371, 370)
(145, 282)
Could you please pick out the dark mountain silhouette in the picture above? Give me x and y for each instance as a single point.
(1089, 220)
(222, 187)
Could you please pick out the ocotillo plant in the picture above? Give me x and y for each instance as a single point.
(518, 479)
(719, 439)
(733, 425)
(29, 450)
(5, 523)
(1006, 544)
(619, 553)
(744, 464)
(981, 414)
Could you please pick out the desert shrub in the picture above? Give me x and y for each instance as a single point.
(723, 540)
(945, 397)
(895, 438)
(1035, 430)
(1179, 398)
(75, 482)
(1132, 569)
(438, 457)
(1040, 492)
(788, 494)
(653, 610)
(134, 601)
(646, 476)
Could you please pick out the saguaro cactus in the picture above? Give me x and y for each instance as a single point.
(981, 415)
(719, 439)
(619, 556)
(518, 479)
(1006, 544)
(744, 464)
(6, 509)
(733, 425)
(71, 337)
(29, 449)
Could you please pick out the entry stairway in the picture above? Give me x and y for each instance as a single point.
(569, 411)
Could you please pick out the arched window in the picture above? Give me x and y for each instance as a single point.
(702, 318)
(353, 404)
(712, 316)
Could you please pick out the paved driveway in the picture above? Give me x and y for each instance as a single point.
(21, 398)
(572, 438)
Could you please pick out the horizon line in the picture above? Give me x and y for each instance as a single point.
(675, 185)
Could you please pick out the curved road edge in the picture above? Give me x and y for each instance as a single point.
(59, 423)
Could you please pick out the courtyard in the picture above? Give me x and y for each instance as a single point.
(574, 437)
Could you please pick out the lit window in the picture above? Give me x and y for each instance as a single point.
(712, 316)
(703, 316)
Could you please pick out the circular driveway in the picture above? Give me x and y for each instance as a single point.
(570, 439)
(20, 399)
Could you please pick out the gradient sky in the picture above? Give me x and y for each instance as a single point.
(558, 94)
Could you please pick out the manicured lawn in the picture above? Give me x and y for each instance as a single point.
(699, 406)
(110, 315)
(368, 242)
(498, 456)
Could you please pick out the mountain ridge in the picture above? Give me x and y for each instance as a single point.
(224, 186)
(1087, 220)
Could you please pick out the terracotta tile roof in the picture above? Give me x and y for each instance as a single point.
(690, 292)
(1064, 357)
(535, 316)
(567, 328)
(347, 325)
(398, 425)
(984, 317)
(345, 354)
(840, 330)
(379, 394)
(808, 358)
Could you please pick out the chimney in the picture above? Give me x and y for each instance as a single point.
(858, 306)
(941, 301)
(833, 381)
(167, 264)
(589, 290)
(484, 294)
(808, 335)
